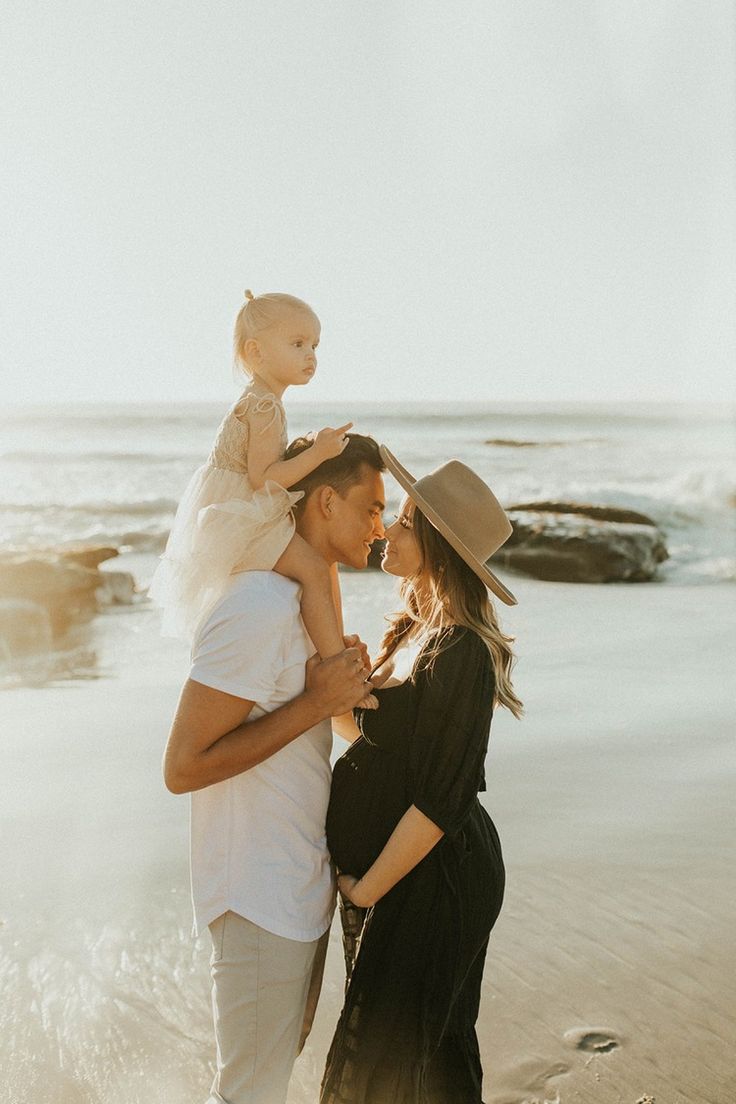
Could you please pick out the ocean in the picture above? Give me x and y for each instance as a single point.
(114, 474)
(610, 796)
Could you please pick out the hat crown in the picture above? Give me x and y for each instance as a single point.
(464, 510)
(468, 506)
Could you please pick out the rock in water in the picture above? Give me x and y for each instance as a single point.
(576, 546)
(117, 588)
(25, 629)
(86, 555)
(65, 590)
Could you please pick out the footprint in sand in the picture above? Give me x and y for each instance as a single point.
(529, 1082)
(594, 1040)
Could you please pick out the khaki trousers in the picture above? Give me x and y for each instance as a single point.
(264, 993)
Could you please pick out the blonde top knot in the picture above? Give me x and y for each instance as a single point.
(249, 294)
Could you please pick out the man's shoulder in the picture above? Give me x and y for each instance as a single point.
(250, 625)
(255, 596)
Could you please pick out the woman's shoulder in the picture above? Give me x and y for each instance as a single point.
(460, 647)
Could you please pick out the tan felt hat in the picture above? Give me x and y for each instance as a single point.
(464, 510)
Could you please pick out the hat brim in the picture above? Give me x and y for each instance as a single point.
(407, 481)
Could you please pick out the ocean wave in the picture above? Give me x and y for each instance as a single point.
(150, 458)
(688, 498)
(124, 540)
(149, 507)
(701, 487)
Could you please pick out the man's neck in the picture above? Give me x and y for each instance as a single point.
(314, 534)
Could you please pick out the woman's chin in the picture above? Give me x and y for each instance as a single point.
(390, 567)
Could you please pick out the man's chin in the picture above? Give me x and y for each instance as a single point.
(359, 560)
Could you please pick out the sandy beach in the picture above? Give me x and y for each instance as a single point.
(610, 977)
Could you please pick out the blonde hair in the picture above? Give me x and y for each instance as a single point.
(257, 313)
(444, 593)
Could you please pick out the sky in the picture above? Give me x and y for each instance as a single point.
(500, 200)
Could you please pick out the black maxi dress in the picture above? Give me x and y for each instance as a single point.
(406, 1034)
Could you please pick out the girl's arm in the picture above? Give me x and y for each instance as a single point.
(411, 840)
(264, 454)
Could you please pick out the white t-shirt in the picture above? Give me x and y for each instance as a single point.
(258, 843)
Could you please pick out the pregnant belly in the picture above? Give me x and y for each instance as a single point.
(365, 806)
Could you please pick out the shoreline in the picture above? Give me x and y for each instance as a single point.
(609, 972)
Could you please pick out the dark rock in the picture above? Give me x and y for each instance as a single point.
(578, 546)
(511, 442)
(600, 513)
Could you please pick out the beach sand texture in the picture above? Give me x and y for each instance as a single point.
(610, 976)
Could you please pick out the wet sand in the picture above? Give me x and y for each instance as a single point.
(610, 976)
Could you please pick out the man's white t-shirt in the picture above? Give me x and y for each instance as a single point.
(258, 843)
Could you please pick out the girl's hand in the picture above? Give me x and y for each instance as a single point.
(330, 442)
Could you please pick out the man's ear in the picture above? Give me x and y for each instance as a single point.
(325, 500)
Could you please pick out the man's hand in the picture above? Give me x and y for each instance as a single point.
(337, 684)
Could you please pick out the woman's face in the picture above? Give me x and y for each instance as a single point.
(402, 556)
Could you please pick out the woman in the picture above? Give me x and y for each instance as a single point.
(404, 826)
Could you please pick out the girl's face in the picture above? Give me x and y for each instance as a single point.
(402, 556)
(288, 349)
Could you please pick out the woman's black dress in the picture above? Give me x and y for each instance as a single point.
(406, 1034)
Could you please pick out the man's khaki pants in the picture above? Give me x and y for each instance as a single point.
(264, 993)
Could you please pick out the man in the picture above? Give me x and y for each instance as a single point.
(251, 741)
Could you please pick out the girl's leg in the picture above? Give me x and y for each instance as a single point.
(321, 604)
(337, 596)
(300, 562)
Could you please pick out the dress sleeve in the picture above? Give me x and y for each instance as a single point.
(449, 737)
(259, 412)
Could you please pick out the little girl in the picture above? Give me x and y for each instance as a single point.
(236, 513)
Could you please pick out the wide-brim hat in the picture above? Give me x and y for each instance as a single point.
(464, 510)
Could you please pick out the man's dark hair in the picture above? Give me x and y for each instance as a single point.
(341, 472)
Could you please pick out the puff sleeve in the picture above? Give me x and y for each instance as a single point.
(449, 737)
(259, 412)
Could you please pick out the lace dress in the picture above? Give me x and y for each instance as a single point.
(406, 1034)
(223, 524)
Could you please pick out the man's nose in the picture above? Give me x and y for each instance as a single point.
(378, 529)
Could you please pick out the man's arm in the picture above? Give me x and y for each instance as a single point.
(211, 741)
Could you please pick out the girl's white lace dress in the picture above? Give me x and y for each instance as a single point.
(222, 524)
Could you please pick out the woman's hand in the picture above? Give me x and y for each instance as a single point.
(350, 888)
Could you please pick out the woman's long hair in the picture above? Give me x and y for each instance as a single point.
(447, 592)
